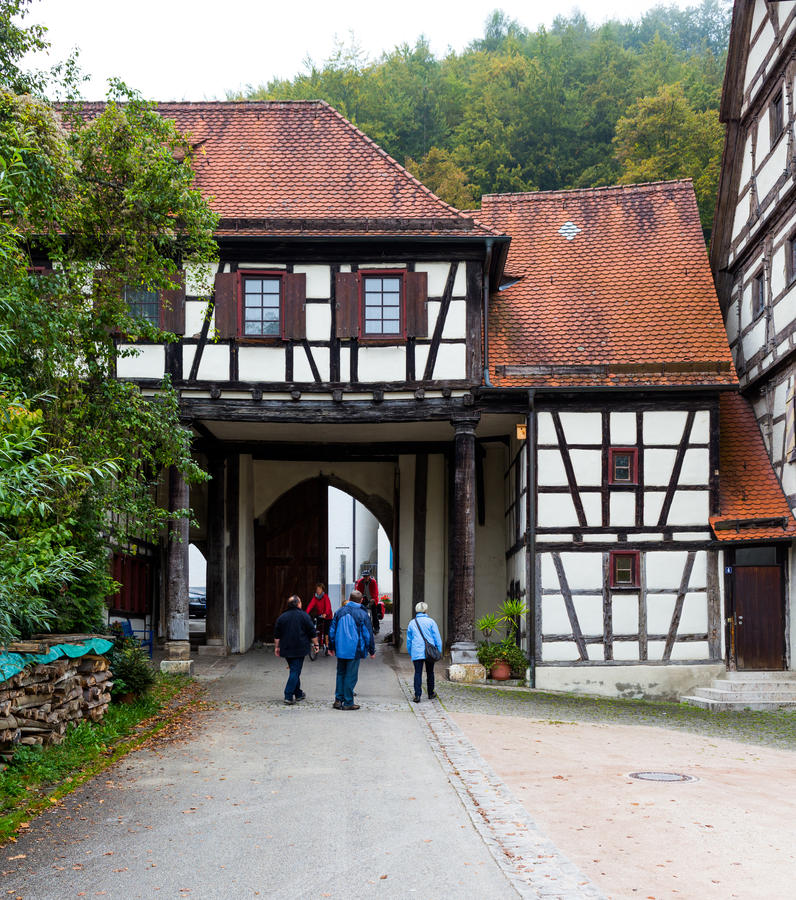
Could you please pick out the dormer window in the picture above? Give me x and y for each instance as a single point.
(382, 305)
(776, 118)
(143, 304)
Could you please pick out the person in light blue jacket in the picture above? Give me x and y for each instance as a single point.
(422, 626)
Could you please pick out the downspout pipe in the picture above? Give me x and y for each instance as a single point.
(530, 534)
(490, 243)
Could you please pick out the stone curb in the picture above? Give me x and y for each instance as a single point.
(529, 860)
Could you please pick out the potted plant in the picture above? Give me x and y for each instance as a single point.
(504, 658)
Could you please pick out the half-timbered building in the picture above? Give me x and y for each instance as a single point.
(753, 252)
(528, 399)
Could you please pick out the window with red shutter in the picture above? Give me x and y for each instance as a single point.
(225, 304)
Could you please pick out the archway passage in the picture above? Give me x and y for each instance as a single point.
(290, 545)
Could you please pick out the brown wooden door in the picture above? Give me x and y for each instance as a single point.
(290, 552)
(759, 617)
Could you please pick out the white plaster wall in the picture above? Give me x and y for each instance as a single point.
(451, 364)
(653, 504)
(785, 311)
(582, 427)
(623, 428)
(731, 321)
(622, 509)
(700, 430)
(318, 280)
(385, 570)
(558, 651)
(658, 466)
(631, 682)
(262, 363)
(149, 361)
(696, 466)
(550, 470)
(625, 617)
(556, 511)
(214, 365)
(755, 338)
(246, 554)
(545, 430)
(301, 365)
(582, 570)
(195, 311)
(589, 610)
(456, 321)
(774, 166)
(665, 568)
(382, 364)
(592, 508)
(554, 615)
(689, 508)
(319, 321)
(665, 427)
(587, 466)
(345, 364)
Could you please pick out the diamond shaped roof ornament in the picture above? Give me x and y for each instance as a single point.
(569, 230)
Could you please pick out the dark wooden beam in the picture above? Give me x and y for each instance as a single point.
(232, 556)
(214, 623)
(464, 504)
(419, 531)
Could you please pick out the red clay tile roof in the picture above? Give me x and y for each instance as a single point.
(752, 504)
(299, 167)
(614, 289)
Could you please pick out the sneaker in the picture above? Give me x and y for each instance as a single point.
(300, 697)
(353, 706)
(289, 702)
(416, 699)
(338, 704)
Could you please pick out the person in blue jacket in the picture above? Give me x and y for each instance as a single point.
(422, 626)
(350, 639)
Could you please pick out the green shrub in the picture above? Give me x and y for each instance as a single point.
(132, 672)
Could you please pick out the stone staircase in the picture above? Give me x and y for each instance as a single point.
(747, 690)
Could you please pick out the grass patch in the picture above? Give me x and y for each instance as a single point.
(773, 729)
(39, 776)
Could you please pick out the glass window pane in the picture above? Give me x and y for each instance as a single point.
(391, 328)
(391, 284)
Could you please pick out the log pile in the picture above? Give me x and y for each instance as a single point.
(39, 703)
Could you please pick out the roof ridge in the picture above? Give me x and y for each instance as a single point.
(639, 187)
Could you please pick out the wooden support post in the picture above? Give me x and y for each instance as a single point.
(214, 622)
(232, 555)
(177, 645)
(463, 559)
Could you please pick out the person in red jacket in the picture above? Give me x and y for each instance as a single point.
(320, 609)
(369, 589)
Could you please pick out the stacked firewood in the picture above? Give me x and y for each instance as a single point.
(39, 703)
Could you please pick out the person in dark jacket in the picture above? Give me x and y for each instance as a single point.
(369, 588)
(350, 639)
(293, 635)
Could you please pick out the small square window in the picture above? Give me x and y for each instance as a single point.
(776, 118)
(624, 568)
(758, 295)
(623, 465)
(143, 304)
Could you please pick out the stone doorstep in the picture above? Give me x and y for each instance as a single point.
(769, 675)
(214, 649)
(717, 693)
(738, 705)
(753, 685)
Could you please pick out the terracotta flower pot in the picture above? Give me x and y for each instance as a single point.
(501, 671)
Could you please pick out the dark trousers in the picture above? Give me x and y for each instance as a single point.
(347, 674)
(429, 664)
(293, 686)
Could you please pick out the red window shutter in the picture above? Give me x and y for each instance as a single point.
(172, 306)
(416, 304)
(294, 298)
(346, 292)
(226, 306)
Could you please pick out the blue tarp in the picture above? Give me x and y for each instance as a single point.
(11, 663)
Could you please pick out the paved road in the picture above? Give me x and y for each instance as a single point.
(303, 801)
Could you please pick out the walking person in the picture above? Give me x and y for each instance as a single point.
(294, 633)
(369, 588)
(320, 610)
(423, 631)
(350, 639)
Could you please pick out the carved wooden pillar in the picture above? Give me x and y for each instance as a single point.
(463, 558)
(214, 621)
(177, 644)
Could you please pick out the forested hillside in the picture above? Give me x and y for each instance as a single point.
(577, 105)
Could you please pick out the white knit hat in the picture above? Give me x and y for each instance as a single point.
(421, 607)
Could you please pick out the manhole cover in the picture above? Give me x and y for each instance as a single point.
(661, 776)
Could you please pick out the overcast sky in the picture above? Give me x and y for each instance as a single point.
(198, 49)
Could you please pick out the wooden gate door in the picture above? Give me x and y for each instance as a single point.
(290, 549)
(759, 617)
